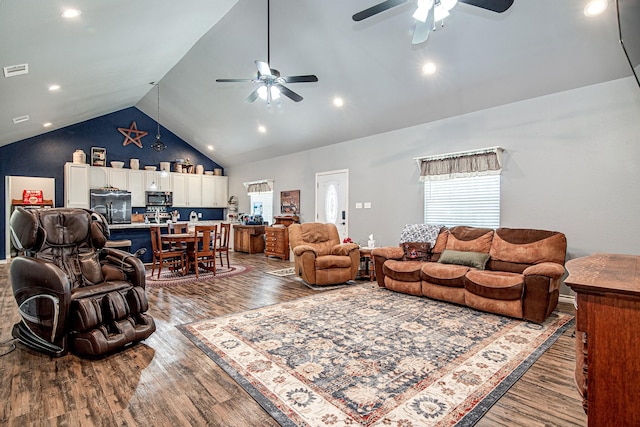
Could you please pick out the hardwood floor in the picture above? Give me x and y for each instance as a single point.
(167, 381)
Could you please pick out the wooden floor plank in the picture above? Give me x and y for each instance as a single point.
(167, 381)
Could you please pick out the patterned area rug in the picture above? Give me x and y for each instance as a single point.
(369, 356)
(170, 278)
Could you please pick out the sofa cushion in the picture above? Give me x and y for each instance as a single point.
(444, 274)
(404, 271)
(497, 285)
(415, 251)
(527, 246)
(470, 259)
(469, 239)
(333, 261)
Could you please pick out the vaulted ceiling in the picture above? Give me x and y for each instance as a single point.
(105, 59)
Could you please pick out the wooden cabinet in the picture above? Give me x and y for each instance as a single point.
(248, 238)
(607, 290)
(277, 242)
(187, 190)
(76, 185)
(137, 187)
(214, 191)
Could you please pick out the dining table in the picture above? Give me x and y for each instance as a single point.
(186, 239)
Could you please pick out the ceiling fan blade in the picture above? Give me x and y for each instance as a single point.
(498, 6)
(374, 10)
(300, 79)
(289, 93)
(253, 96)
(263, 68)
(423, 29)
(233, 80)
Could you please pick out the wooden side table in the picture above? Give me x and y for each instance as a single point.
(607, 290)
(367, 270)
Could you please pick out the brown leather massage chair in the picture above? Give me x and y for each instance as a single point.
(74, 294)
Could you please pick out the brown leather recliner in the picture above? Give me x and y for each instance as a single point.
(320, 258)
(74, 294)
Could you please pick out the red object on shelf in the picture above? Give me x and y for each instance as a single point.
(32, 196)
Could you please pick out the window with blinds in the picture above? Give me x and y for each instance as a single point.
(472, 201)
(262, 204)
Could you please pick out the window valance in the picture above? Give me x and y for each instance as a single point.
(487, 161)
(262, 186)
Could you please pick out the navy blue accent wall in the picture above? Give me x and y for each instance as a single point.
(46, 154)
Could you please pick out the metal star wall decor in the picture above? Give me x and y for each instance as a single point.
(133, 129)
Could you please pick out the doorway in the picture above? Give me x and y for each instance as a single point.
(332, 200)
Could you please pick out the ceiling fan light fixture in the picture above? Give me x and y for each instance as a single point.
(440, 12)
(448, 4)
(421, 14)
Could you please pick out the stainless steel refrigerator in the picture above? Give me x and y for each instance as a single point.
(115, 205)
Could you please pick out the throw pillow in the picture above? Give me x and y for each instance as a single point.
(470, 259)
(416, 251)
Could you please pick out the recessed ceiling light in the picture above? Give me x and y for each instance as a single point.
(595, 7)
(338, 102)
(262, 129)
(46, 125)
(210, 147)
(71, 13)
(54, 87)
(429, 68)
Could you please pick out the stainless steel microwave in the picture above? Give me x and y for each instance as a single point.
(159, 198)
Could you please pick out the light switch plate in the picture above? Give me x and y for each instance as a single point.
(367, 205)
(358, 205)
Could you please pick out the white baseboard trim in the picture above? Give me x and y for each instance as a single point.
(569, 299)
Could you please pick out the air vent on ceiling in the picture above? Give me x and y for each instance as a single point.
(16, 70)
(20, 119)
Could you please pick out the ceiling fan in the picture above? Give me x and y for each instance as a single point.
(429, 12)
(271, 82)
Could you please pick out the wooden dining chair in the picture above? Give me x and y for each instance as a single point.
(203, 250)
(164, 255)
(179, 228)
(223, 242)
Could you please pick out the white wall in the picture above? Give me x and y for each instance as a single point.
(570, 164)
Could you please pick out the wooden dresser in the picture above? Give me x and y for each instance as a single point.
(277, 237)
(607, 339)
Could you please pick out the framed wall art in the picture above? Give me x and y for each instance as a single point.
(290, 202)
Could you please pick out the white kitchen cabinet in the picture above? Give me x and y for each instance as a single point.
(194, 190)
(162, 181)
(137, 187)
(98, 177)
(119, 178)
(214, 191)
(187, 190)
(179, 186)
(76, 185)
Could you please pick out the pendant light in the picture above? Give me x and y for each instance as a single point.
(158, 145)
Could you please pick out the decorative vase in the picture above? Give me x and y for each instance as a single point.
(79, 156)
(134, 163)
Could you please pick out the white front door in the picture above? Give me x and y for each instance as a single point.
(332, 200)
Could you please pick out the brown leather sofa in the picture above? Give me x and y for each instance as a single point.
(320, 258)
(513, 272)
(72, 292)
